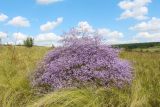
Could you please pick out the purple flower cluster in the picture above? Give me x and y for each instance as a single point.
(82, 62)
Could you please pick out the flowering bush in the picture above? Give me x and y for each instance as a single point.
(81, 62)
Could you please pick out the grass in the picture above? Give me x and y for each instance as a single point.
(15, 89)
(151, 49)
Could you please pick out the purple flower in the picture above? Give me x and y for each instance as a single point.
(81, 62)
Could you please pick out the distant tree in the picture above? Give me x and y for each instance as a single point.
(53, 46)
(0, 41)
(28, 42)
(138, 45)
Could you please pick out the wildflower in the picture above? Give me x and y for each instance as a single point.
(81, 62)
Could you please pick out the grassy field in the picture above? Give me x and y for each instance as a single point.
(15, 89)
(150, 49)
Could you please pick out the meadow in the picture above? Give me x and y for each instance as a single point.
(17, 64)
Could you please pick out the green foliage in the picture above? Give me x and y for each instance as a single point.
(137, 45)
(28, 42)
(0, 41)
(15, 90)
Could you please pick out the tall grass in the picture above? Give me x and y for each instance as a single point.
(146, 86)
(84, 98)
(15, 90)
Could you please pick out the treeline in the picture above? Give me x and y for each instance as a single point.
(137, 45)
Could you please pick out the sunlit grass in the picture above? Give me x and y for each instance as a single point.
(15, 68)
(15, 89)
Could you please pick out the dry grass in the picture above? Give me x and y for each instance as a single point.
(15, 90)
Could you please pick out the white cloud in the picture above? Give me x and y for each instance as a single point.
(3, 35)
(109, 36)
(149, 30)
(112, 41)
(120, 41)
(19, 21)
(152, 25)
(109, 33)
(43, 39)
(148, 36)
(84, 26)
(19, 36)
(47, 37)
(51, 25)
(136, 9)
(9, 43)
(45, 2)
(3, 17)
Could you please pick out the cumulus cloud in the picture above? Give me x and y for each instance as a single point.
(109, 33)
(152, 25)
(19, 36)
(136, 9)
(109, 36)
(9, 43)
(3, 35)
(47, 37)
(84, 26)
(148, 36)
(51, 25)
(19, 21)
(149, 30)
(3, 17)
(45, 2)
(113, 41)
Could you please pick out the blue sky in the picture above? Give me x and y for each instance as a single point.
(118, 21)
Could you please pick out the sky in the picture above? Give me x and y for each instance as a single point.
(117, 21)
